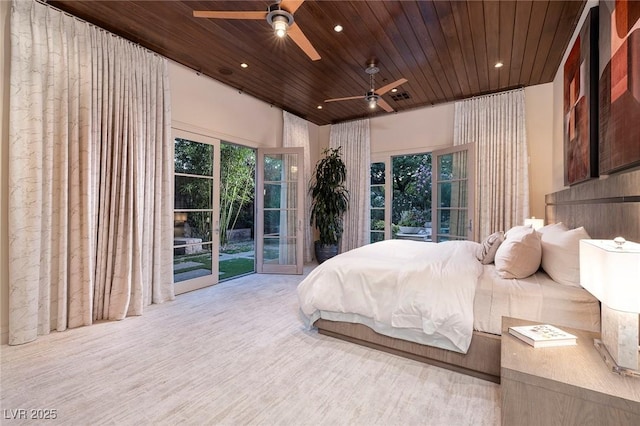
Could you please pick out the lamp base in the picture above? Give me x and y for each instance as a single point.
(611, 363)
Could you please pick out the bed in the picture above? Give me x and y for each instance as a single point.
(536, 297)
(433, 302)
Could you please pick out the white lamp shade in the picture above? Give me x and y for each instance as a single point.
(534, 223)
(611, 273)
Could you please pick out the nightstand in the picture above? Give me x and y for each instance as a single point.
(565, 385)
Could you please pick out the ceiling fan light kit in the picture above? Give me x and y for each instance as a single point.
(372, 99)
(279, 19)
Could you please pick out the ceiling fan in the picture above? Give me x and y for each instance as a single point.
(373, 96)
(279, 15)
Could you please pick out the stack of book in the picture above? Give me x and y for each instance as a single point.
(543, 335)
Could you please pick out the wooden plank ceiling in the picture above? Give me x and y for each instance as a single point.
(445, 49)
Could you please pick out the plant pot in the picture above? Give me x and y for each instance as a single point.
(410, 229)
(325, 251)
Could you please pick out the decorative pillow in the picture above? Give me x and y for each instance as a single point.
(487, 249)
(554, 227)
(520, 254)
(561, 255)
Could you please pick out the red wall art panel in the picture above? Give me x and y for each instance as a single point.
(619, 83)
(581, 105)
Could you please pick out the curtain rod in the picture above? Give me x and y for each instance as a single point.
(495, 92)
(46, 4)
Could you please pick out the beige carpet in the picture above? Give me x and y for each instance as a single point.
(234, 354)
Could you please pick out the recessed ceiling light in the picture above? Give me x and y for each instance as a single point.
(319, 107)
(338, 28)
(394, 90)
(498, 64)
(244, 65)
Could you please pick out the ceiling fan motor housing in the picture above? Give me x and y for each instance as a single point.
(276, 11)
(371, 96)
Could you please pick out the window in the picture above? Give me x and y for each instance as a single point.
(416, 210)
(377, 201)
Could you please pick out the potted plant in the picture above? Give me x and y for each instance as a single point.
(411, 221)
(329, 201)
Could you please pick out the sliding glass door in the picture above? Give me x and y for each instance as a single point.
(196, 195)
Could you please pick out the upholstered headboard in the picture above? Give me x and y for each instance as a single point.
(607, 207)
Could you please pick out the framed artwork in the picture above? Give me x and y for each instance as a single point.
(619, 84)
(581, 105)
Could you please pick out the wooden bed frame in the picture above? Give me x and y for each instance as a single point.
(606, 208)
(481, 360)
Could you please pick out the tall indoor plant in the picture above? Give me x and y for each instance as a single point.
(330, 199)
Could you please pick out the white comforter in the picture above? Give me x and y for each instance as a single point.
(404, 284)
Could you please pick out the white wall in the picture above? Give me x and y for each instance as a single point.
(538, 100)
(420, 130)
(201, 103)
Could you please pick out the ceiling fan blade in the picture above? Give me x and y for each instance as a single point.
(291, 5)
(302, 41)
(385, 89)
(384, 105)
(229, 14)
(344, 99)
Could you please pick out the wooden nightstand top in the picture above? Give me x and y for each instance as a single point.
(572, 370)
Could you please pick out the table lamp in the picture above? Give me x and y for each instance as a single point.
(534, 223)
(610, 270)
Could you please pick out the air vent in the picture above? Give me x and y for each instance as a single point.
(400, 96)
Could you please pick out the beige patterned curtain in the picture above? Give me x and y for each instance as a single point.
(496, 124)
(296, 134)
(355, 139)
(90, 175)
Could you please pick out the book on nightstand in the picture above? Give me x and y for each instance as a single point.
(543, 335)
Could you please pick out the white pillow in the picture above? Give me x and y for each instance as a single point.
(561, 254)
(520, 253)
(554, 227)
(487, 250)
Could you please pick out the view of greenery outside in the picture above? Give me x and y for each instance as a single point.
(377, 202)
(411, 200)
(237, 196)
(237, 189)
